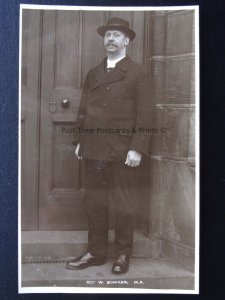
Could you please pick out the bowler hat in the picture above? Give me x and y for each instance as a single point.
(117, 24)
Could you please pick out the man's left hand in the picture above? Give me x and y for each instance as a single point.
(133, 158)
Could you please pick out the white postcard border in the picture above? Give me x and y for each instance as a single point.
(88, 290)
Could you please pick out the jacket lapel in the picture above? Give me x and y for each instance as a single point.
(102, 77)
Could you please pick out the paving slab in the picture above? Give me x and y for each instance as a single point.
(144, 273)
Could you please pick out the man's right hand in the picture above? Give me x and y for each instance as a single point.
(77, 151)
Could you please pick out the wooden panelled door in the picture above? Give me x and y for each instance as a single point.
(59, 47)
(65, 34)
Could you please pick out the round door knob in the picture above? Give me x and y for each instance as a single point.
(65, 103)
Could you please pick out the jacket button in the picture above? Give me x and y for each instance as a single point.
(108, 88)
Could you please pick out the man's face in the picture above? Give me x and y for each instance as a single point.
(115, 41)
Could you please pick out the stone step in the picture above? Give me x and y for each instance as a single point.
(144, 273)
(53, 245)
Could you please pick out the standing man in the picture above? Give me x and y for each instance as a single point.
(111, 137)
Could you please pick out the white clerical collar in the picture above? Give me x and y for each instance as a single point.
(112, 62)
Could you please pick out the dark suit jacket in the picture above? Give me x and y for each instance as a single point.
(115, 111)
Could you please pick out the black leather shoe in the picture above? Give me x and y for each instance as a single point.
(85, 261)
(121, 264)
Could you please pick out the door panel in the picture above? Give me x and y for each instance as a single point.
(67, 48)
(91, 43)
(60, 202)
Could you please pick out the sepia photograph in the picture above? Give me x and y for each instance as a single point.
(109, 149)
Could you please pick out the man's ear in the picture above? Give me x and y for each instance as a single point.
(127, 41)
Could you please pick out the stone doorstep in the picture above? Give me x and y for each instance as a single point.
(63, 244)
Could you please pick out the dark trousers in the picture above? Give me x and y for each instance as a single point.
(103, 180)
